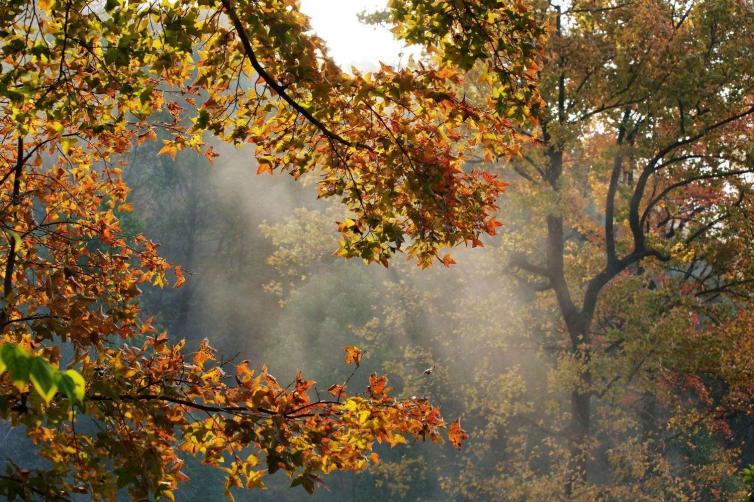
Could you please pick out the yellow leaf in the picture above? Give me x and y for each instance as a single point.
(46, 5)
(158, 281)
(169, 149)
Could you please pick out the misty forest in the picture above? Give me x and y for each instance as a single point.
(515, 262)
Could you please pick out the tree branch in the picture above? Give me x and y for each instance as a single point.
(518, 260)
(611, 191)
(687, 181)
(10, 263)
(276, 86)
(652, 167)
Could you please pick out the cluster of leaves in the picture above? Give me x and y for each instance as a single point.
(391, 145)
(498, 38)
(147, 396)
(747, 476)
(24, 369)
(83, 82)
(623, 368)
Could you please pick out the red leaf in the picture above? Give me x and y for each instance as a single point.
(456, 435)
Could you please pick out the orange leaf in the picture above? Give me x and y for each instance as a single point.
(210, 154)
(448, 260)
(353, 355)
(169, 149)
(264, 167)
(204, 353)
(336, 390)
(179, 278)
(492, 225)
(456, 435)
(377, 385)
(149, 135)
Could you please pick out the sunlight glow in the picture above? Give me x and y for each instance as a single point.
(350, 42)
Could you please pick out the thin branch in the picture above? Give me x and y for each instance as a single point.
(275, 85)
(688, 181)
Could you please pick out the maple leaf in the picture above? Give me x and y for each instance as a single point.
(353, 355)
(169, 148)
(204, 353)
(336, 390)
(210, 154)
(456, 434)
(149, 135)
(377, 386)
(448, 260)
(179, 278)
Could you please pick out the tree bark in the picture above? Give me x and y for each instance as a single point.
(10, 262)
(581, 410)
(180, 325)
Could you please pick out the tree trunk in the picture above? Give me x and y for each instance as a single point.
(184, 306)
(577, 323)
(579, 434)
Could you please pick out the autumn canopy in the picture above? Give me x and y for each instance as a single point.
(83, 82)
(580, 172)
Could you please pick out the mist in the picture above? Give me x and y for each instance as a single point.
(263, 285)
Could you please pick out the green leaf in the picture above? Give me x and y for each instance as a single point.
(72, 384)
(117, 55)
(42, 376)
(202, 119)
(16, 361)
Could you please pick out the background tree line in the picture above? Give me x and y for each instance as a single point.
(598, 347)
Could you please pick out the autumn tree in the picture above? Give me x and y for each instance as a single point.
(83, 82)
(641, 174)
(628, 221)
(642, 170)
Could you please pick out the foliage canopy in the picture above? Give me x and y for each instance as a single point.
(617, 365)
(83, 81)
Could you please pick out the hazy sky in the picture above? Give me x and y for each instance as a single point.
(350, 42)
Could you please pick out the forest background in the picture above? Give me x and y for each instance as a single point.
(647, 397)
